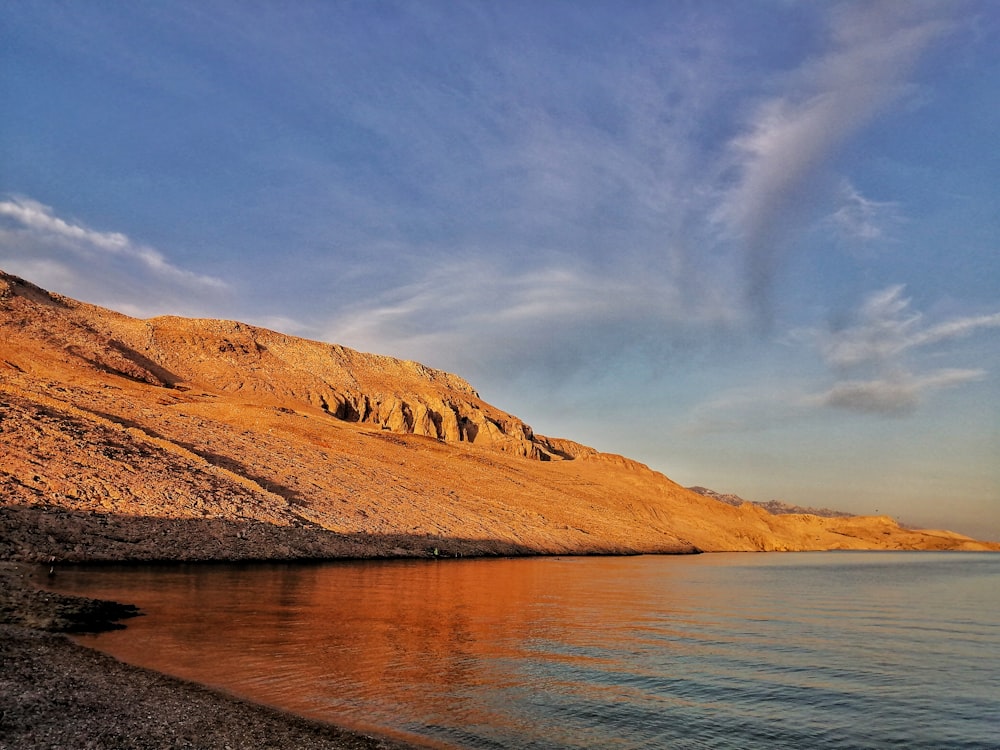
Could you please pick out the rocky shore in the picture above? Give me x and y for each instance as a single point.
(56, 694)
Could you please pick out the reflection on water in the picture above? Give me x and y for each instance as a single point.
(742, 651)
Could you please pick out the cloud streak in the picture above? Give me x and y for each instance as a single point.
(860, 219)
(105, 268)
(477, 316)
(35, 224)
(892, 396)
(875, 366)
(621, 165)
(874, 46)
(885, 328)
(617, 202)
(870, 356)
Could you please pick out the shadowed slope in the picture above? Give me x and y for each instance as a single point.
(200, 439)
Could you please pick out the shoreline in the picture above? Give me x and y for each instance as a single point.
(60, 694)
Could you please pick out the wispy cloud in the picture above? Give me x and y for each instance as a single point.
(885, 328)
(621, 167)
(873, 48)
(748, 409)
(579, 229)
(862, 220)
(34, 227)
(475, 316)
(871, 355)
(106, 268)
(874, 366)
(892, 395)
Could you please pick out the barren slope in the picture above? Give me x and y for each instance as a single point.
(173, 438)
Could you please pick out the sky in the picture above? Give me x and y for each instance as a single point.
(753, 244)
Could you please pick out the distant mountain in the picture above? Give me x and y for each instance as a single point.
(184, 439)
(771, 506)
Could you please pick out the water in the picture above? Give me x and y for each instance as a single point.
(808, 650)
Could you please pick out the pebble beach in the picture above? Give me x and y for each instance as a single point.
(57, 694)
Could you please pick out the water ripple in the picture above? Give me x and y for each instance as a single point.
(839, 651)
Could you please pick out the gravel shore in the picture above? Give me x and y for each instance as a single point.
(55, 693)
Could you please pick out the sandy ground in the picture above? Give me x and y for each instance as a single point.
(55, 693)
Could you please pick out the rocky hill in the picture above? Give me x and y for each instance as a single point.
(771, 506)
(172, 438)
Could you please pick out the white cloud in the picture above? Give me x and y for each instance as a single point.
(40, 218)
(102, 268)
(885, 328)
(34, 230)
(871, 356)
(875, 46)
(892, 396)
(874, 362)
(860, 219)
(470, 314)
(951, 329)
(880, 331)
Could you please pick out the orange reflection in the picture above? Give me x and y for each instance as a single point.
(380, 643)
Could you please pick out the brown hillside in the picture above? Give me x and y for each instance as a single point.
(173, 438)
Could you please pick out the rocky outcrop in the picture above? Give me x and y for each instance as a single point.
(449, 419)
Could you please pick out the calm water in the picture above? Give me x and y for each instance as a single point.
(809, 650)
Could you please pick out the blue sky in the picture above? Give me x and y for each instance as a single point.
(752, 244)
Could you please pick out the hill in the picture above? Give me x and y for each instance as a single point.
(185, 439)
(771, 506)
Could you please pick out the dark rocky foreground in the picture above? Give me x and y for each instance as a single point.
(55, 693)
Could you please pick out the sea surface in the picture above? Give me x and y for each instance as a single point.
(741, 651)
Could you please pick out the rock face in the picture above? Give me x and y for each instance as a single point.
(171, 438)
